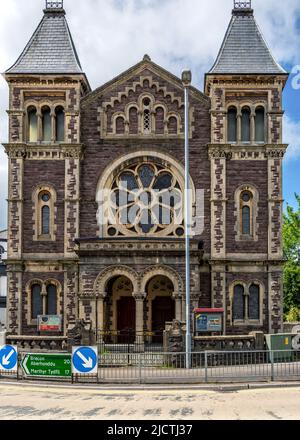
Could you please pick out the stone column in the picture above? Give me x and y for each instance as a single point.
(44, 299)
(239, 128)
(252, 127)
(139, 318)
(53, 127)
(178, 306)
(100, 314)
(39, 127)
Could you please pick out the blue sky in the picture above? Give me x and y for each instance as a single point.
(112, 35)
(291, 165)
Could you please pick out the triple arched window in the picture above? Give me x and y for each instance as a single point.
(44, 299)
(246, 125)
(45, 124)
(247, 303)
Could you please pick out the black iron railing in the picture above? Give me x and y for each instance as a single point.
(129, 341)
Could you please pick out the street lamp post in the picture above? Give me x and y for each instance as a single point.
(186, 80)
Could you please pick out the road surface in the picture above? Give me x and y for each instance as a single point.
(40, 402)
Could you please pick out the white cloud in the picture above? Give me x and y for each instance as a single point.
(112, 35)
(291, 136)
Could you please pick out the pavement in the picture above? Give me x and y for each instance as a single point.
(52, 401)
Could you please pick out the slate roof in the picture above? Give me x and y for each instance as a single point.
(50, 49)
(244, 49)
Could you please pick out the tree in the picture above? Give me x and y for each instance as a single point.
(291, 246)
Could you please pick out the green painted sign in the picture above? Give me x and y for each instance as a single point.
(47, 365)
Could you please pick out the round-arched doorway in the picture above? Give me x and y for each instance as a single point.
(161, 306)
(120, 311)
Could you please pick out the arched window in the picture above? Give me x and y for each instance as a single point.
(232, 124)
(36, 301)
(32, 125)
(51, 302)
(238, 302)
(246, 114)
(146, 199)
(60, 124)
(45, 220)
(260, 124)
(44, 203)
(173, 125)
(46, 124)
(133, 121)
(246, 220)
(246, 303)
(253, 305)
(120, 125)
(246, 202)
(147, 123)
(159, 120)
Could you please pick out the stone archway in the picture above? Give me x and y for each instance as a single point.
(160, 305)
(118, 275)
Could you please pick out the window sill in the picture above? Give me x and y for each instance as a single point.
(45, 238)
(253, 323)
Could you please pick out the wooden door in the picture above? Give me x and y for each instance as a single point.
(126, 319)
(163, 310)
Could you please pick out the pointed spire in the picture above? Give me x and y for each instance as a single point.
(51, 48)
(244, 50)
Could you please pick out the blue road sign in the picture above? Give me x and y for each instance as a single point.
(8, 358)
(85, 360)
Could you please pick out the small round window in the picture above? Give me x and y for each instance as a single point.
(45, 197)
(246, 197)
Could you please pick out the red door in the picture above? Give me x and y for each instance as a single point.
(163, 310)
(126, 320)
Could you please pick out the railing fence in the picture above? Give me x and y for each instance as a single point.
(207, 367)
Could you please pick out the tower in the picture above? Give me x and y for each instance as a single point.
(44, 150)
(245, 85)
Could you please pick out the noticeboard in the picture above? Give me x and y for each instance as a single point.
(208, 321)
(49, 323)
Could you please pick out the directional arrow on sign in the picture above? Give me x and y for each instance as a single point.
(87, 363)
(85, 360)
(8, 358)
(5, 359)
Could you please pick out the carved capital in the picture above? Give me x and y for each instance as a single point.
(15, 151)
(140, 296)
(219, 153)
(275, 154)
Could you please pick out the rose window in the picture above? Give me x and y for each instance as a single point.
(146, 199)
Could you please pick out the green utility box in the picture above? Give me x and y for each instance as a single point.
(278, 342)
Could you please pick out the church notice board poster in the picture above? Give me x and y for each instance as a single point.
(49, 323)
(209, 320)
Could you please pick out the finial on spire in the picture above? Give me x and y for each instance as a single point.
(50, 5)
(238, 5)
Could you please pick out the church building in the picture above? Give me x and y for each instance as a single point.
(96, 227)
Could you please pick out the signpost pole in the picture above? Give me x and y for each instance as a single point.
(186, 80)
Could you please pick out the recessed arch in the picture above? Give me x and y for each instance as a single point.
(107, 274)
(166, 271)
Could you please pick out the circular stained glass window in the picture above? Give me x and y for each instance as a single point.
(146, 199)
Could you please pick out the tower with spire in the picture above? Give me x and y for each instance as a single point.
(245, 86)
(46, 84)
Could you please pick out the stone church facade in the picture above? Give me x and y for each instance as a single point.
(82, 161)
